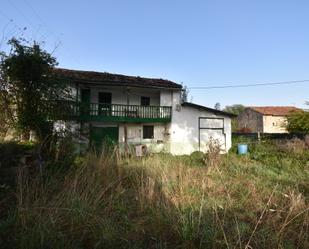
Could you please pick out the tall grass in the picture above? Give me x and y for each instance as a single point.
(107, 201)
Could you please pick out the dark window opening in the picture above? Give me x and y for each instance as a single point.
(85, 101)
(147, 131)
(105, 98)
(145, 101)
(85, 95)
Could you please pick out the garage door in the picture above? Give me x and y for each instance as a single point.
(211, 129)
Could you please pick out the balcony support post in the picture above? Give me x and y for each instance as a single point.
(125, 138)
(125, 125)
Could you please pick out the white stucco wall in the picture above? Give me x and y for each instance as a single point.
(159, 142)
(184, 131)
(119, 95)
(274, 124)
(166, 98)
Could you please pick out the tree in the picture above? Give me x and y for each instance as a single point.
(235, 109)
(185, 94)
(298, 122)
(217, 106)
(27, 82)
(6, 116)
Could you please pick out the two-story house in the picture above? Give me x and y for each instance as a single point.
(131, 110)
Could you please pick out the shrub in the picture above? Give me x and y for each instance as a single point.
(298, 122)
(212, 157)
(11, 152)
(294, 145)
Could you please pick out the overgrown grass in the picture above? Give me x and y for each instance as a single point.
(162, 201)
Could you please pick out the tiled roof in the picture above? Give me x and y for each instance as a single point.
(85, 77)
(274, 110)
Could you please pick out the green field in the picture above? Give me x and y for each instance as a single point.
(163, 201)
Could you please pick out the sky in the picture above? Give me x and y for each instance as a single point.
(199, 43)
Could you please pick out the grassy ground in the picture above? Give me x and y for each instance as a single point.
(162, 201)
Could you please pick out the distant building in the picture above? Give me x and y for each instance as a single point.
(266, 119)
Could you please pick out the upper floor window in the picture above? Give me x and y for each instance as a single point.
(145, 101)
(105, 98)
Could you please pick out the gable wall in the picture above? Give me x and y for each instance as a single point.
(250, 119)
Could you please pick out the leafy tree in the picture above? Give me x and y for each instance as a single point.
(28, 85)
(6, 117)
(235, 109)
(298, 122)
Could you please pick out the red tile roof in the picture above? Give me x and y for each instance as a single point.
(274, 110)
(85, 77)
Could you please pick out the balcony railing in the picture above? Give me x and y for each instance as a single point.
(70, 110)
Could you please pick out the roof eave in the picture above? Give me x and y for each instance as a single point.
(112, 83)
(231, 115)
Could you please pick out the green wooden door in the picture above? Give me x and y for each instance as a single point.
(103, 136)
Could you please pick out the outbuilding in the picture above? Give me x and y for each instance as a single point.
(194, 126)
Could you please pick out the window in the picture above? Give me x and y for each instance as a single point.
(145, 101)
(105, 98)
(147, 131)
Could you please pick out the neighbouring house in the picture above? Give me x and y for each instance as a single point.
(265, 119)
(136, 111)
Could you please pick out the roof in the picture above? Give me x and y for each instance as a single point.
(274, 110)
(103, 78)
(215, 111)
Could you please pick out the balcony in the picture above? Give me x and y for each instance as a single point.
(70, 110)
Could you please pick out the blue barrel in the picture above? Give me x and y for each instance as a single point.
(242, 149)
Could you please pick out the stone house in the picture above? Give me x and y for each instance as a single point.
(264, 119)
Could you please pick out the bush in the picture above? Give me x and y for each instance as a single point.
(298, 122)
(294, 145)
(11, 152)
(212, 158)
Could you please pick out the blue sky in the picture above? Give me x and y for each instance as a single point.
(199, 43)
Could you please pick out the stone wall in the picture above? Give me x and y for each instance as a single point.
(251, 120)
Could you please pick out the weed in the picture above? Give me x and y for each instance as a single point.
(161, 201)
